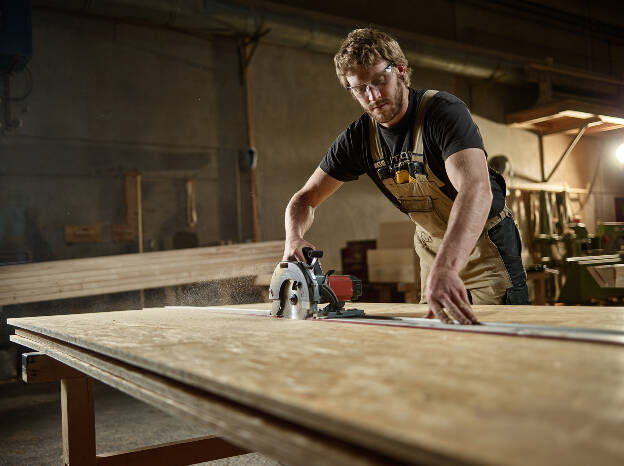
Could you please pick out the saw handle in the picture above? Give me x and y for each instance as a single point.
(309, 254)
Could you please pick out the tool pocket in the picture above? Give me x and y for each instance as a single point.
(422, 211)
(417, 204)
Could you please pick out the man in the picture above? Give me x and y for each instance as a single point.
(425, 153)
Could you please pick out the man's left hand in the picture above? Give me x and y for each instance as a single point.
(446, 292)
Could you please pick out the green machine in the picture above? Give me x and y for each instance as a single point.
(611, 236)
(583, 284)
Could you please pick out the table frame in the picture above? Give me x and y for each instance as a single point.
(241, 429)
(78, 424)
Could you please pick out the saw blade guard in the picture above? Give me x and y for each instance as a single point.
(293, 292)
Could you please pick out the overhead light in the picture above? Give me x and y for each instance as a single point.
(619, 153)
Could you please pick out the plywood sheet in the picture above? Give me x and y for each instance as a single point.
(563, 316)
(472, 398)
(243, 425)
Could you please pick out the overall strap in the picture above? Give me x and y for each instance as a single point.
(375, 146)
(417, 142)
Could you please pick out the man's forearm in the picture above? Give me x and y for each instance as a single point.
(466, 221)
(298, 217)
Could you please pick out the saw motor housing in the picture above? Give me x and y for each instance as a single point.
(297, 288)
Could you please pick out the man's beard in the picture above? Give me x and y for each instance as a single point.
(389, 111)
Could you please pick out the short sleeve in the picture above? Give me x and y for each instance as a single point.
(344, 158)
(451, 125)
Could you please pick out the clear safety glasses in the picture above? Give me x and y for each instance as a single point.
(377, 82)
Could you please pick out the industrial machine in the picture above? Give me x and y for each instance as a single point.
(297, 288)
(584, 254)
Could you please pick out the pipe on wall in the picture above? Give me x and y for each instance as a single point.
(314, 31)
(310, 31)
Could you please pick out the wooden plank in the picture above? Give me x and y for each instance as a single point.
(39, 367)
(78, 419)
(85, 277)
(179, 453)
(129, 230)
(243, 425)
(29, 270)
(131, 279)
(181, 263)
(401, 392)
(136, 269)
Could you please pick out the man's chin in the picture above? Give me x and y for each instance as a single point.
(381, 117)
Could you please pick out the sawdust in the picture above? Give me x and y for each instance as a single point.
(221, 292)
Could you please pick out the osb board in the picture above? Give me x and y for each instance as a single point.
(243, 425)
(562, 316)
(474, 398)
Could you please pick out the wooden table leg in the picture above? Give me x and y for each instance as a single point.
(78, 418)
(78, 421)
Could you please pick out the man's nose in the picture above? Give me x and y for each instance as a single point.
(372, 92)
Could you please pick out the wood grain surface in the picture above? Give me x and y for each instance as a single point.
(563, 316)
(246, 426)
(44, 281)
(484, 399)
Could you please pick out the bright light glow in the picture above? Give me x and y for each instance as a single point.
(619, 153)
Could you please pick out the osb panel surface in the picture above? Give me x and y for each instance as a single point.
(563, 316)
(483, 398)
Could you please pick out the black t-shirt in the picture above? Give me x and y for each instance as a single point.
(447, 128)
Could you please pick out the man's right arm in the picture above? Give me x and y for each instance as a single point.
(300, 211)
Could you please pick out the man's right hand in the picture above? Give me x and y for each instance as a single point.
(293, 249)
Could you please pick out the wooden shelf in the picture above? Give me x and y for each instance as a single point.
(568, 116)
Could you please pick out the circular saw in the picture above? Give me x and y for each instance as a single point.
(298, 288)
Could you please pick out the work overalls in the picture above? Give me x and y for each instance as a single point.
(411, 181)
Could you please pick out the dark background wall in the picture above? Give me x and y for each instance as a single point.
(113, 94)
(109, 98)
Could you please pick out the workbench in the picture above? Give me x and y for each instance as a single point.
(318, 392)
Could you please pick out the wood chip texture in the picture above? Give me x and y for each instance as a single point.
(471, 398)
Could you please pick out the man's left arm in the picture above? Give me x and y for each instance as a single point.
(467, 171)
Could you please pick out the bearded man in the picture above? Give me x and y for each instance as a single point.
(425, 153)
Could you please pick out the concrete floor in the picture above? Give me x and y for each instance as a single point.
(30, 426)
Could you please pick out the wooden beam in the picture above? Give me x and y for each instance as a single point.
(39, 367)
(72, 278)
(179, 453)
(569, 149)
(78, 419)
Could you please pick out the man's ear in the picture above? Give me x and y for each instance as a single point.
(401, 69)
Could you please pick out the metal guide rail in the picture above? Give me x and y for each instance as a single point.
(591, 335)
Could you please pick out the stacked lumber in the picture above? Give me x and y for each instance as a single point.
(394, 260)
(45, 281)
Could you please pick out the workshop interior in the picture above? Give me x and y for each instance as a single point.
(148, 152)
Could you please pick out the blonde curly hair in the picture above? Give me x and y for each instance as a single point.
(367, 47)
